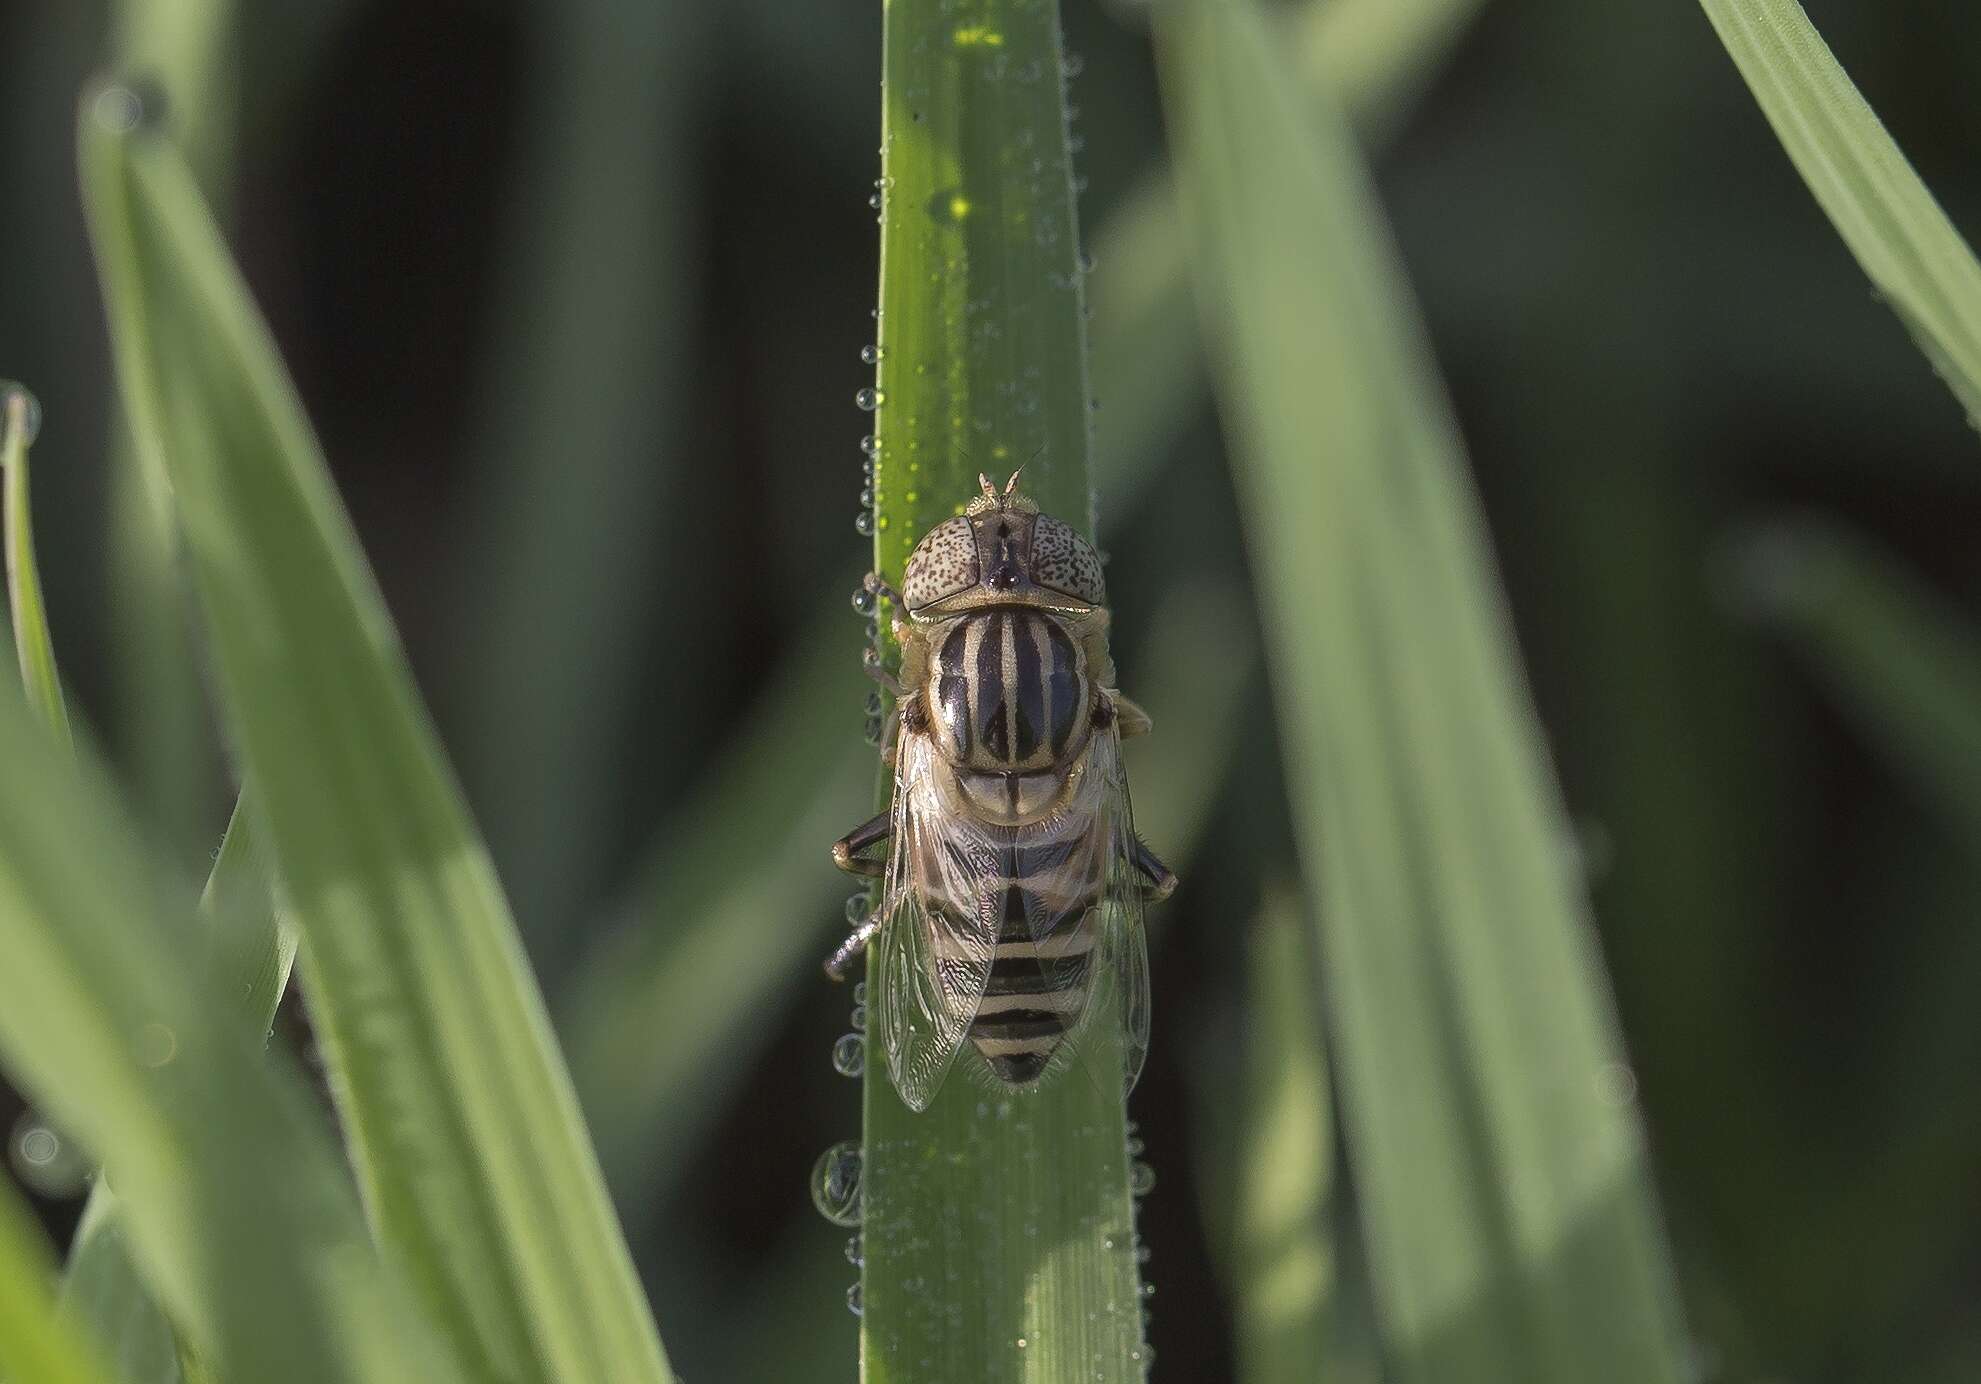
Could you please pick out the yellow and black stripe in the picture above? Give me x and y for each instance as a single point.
(1009, 692)
(1041, 969)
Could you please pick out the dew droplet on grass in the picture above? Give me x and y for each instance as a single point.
(849, 1055)
(47, 1162)
(1141, 1178)
(836, 1183)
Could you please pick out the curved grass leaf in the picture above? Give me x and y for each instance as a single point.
(237, 1204)
(1899, 234)
(465, 1132)
(998, 1230)
(38, 1343)
(1506, 1206)
(30, 617)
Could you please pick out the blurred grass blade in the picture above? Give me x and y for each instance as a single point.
(38, 1344)
(1506, 1204)
(1376, 56)
(1915, 258)
(30, 617)
(982, 367)
(466, 1134)
(237, 1204)
(1906, 664)
(1285, 1257)
(663, 1015)
(250, 952)
(594, 346)
(163, 727)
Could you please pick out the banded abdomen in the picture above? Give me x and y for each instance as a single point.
(1008, 699)
(1043, 898)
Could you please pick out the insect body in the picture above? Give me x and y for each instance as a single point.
(1012, 879)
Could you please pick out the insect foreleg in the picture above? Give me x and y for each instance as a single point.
(870, 662)
(855, 943)
(1159, 879)
(877, 584)
(847, 850)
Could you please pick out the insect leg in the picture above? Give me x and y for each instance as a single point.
(877, 584)
(855, 943)
(870, 833)
(870, 661)
(1161, 880)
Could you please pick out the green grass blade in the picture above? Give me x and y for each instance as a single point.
(1506, 1204)
(38, 1343)
(1376, 56)
(594, 347)
(998, 1232)
(1906, 665)
(1915, 258)
(237, 1203)
(30, 617)
(1286, 1268)
(466, 1133)
(162, 723)
(250, 954)
(662, 1015)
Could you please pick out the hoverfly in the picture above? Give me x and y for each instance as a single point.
(1012, 880)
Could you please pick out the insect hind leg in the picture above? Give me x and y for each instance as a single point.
(1159, 881)
(855, 943)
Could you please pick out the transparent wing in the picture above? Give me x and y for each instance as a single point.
(938, 933)
(1100, 863)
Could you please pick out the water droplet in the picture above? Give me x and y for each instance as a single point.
(1086, 262)
(1148, 1290)
(870, 444)
(860, 992)
(874, 201)
(849, 1055)
(863, 523)
(836, 1183)
(859, 1018)
(1022, 1343)
(157, 1045)
(866, 497)
(48, 1162)
(1135, 1146)
(1142, 1255)
(120, 109)
(1141, 1178)
(30, 408)
(853, 1300)
(866, 468)
(863, 600)
(856, 913)
(869, 399)
(873, 730)
(871, 355)
(874, 704)
(856, 1251)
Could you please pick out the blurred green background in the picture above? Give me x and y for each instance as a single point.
(593, 278)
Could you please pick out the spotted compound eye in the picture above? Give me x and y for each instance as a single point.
(943, 563)
(1063, 561)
